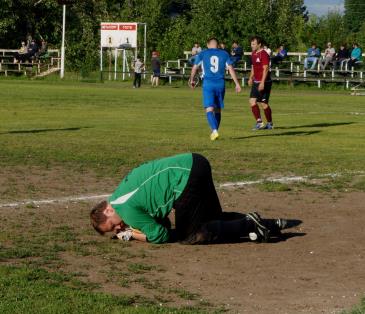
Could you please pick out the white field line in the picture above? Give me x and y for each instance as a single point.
(68, 199)
(65, 199)
(281, 180)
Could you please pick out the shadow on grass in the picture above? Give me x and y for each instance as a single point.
(44, 130)
(316, 125)
(293, 133)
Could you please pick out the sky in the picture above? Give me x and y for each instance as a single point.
(321, 7)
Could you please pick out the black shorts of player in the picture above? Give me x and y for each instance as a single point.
(156, 73)
(261, 96)
(199, 201)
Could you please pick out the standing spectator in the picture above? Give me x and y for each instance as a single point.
(236, 53)
(214, 61)
(156, 69)
(356, 56)
(340, 57)
(313, 54)
(137, 66)
(281, 54)
(194, 51)
(20, 54)
(329, 54)
(260, 81)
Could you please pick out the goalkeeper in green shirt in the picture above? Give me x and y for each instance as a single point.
(139, 207)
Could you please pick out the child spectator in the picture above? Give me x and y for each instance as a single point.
(137, 66)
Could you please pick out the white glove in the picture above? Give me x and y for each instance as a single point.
(125, 235)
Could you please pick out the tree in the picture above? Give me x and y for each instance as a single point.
(354, 14)
(320, 30)
(22, 18)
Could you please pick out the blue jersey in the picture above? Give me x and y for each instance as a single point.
(213, 62)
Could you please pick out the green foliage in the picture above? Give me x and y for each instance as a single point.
(359, 309)
(324, 29)
(277, 21)
(22, 18)
(354, 15)
(172, 43)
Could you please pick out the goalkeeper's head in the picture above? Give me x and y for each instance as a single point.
(104, 219)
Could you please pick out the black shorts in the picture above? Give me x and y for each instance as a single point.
(156, 73)
(199, 201)
(261, 96)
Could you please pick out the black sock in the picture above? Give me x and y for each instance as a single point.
(229, 230)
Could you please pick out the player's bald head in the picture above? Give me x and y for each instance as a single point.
(212, 42)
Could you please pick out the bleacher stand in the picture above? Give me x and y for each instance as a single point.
(31, 63)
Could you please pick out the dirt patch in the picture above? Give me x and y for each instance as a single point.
(318, 269)
(22, 183)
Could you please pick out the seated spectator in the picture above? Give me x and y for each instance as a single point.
(223, 46)
(194, 51)
(356, 56)
(281, 54)
(20, 54)
(32, 49)
(267, 49)
(341, 57)
(43, 51)
(313, 53)
(236, 53)
(329, 53)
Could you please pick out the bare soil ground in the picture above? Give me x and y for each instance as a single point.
(318, 268)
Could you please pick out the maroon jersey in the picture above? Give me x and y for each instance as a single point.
(259, 59)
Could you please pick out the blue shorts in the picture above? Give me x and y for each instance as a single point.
(213, 94)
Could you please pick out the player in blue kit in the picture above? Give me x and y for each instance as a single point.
(213, 62)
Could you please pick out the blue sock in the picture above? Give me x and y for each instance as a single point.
(211, 120)
(218, 118)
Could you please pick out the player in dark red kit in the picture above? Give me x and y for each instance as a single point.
(260, 81)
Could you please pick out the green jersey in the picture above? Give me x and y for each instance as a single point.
(148, 192)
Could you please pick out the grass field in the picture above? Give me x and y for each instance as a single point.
(71, 138)
(114, 127)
